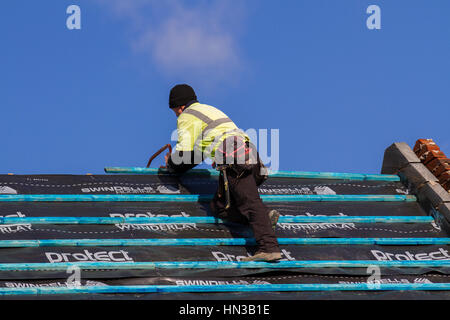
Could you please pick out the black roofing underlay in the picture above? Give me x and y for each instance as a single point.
(154, 184)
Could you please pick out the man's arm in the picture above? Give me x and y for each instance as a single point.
(185, 158)
(184, 161)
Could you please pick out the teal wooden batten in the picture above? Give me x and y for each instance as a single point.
(226, 288)
(193, 198)
(210, 220)
(217, 242)
(278, 174)
(222, 265)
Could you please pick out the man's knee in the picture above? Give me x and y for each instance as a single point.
(252, 206)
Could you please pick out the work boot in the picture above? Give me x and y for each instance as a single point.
(264, 256)
(274, 215)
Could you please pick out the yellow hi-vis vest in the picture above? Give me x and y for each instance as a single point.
(201, 128)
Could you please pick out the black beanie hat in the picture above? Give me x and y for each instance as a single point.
(180, 95)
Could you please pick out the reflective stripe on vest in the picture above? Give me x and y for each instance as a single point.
(210, 125)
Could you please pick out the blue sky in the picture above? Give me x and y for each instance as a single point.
(75, 101)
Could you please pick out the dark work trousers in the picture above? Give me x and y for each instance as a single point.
(246, 204)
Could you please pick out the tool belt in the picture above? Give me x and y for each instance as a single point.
(241, 157)
(234, 150)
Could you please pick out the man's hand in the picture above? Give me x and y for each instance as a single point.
(166, 159)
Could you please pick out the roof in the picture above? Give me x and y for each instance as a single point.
(144, 233)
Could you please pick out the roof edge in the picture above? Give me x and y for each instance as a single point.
(400, 159)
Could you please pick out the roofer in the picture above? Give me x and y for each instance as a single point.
(205, 131)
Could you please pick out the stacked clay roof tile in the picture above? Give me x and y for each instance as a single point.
(435, 160)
